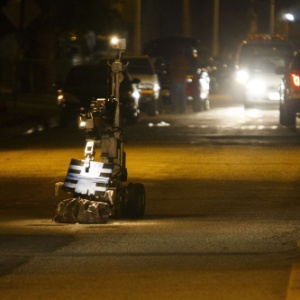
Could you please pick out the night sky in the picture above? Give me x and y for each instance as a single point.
(61, 28)
(164, 18)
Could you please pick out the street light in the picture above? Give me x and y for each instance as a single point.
(137, 28)
(186, 18)
(272, 16)
(288, 17)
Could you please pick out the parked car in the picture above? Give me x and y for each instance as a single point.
(258, 60)
(84, 83)
(141, 67)
(289, 92)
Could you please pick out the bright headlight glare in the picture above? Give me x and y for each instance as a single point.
(156, 87)
(114, 41)
(136, 94)
(242, 76)
(85, 123)
(82, 124)
(60, 99)
(256, 86)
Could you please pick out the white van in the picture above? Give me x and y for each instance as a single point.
(141, 67)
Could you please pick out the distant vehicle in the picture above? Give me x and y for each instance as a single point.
(91, 81)
(256, 78)
(162, 52)
(290, 93)
(141, 67)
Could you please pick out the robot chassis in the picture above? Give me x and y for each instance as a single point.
(97, 187)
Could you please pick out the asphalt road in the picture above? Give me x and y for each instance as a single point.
(222, 213)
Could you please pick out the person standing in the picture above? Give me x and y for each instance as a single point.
(179, 69)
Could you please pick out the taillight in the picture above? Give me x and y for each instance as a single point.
(295, 78)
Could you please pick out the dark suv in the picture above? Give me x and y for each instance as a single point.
(290, 93)
(91, 81)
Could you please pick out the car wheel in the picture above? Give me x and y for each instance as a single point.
(151, 108)
(136, 199)
(68, 115)
(160, 104)
(120, 205)
(287, 116)
(133, 119)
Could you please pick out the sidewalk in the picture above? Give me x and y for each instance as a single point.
(27, 112)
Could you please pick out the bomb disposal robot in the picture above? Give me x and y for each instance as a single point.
(97, 187)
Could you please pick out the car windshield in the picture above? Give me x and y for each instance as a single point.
(268, 64)
(265, 56)
(139, 66)
(91, 75)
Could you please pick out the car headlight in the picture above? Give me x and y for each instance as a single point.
(156, 87)
(242, 76)
(136, 94)
(256, 86)
(60, 99)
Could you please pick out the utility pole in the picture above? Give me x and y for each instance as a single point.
(19, 54)
(22, 15)
(186, 18)
(215, 46)
(137, 28)
(272, 17)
